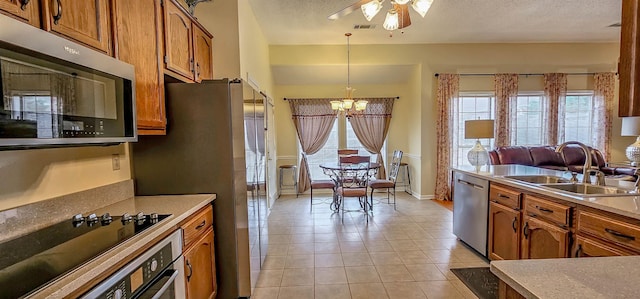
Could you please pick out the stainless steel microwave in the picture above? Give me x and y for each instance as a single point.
(58, 93)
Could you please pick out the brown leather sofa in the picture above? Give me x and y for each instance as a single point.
(546, 157)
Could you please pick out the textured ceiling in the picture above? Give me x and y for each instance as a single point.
(293, 22)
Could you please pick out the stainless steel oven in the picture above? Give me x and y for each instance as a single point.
(157, 273)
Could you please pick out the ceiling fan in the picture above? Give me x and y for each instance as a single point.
(397, 17)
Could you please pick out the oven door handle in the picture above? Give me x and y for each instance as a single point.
(165, 286)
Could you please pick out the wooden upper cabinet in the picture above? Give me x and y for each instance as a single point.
(137, 27)
(24, 10)
(187, 45)
(629, 67)
(86, 21)
(202, 50)
(541, 240)
(504, 232)
(178, 40)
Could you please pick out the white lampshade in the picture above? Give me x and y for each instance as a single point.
(421, 6)
(391, 22)
(478, 128)
(630, 126)
(371, 9)
(336, 105)
(402, 2)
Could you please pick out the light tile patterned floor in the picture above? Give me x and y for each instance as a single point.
(399, 254)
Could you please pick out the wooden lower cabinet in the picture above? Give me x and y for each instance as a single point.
(507, 292)
(200, 269)
(504, 233)
(542, 240)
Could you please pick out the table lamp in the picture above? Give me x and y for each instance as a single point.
(631, 127)
(479, 128)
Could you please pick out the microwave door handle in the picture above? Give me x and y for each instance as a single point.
(166, 285)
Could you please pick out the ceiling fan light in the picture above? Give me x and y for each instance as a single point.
(391, 21)
(371, 9)
(421, 6)
(402, 2)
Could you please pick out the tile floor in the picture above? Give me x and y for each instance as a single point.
(399, 254)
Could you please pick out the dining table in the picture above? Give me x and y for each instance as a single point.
(333, 170)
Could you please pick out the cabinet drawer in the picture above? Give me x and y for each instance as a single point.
(547, 210)
(586, 247)
(505, 197)
(609, 229)
(196, 225)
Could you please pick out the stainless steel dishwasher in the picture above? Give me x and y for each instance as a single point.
(471, 210)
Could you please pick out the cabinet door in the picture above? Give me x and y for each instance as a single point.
(629, 66)
(178, 45)
(542, 240)
(586, 247)
(136, 27)
(23, 10)
(202, 49)
(200, 268)
(504, 232)
(87, 21)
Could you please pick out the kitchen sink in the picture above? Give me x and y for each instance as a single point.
(538, 179)
(590, 190)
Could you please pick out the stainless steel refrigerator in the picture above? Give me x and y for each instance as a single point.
(211, 127)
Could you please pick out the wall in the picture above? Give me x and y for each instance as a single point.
(29, 176)
(441, 58)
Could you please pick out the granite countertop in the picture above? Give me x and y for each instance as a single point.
(628, 205)
(180, 206)
(595, 277)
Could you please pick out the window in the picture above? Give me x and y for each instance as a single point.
(529, 125)
(470, 106)
(329, 152)
(579, 117)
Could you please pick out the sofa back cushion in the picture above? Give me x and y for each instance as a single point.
(545, 156)
(514, 155)
(574, 156)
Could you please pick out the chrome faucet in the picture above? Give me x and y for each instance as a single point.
(636, 188)
(586, 175)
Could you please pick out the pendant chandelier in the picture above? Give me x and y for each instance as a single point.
(348, 104)
(398, 16)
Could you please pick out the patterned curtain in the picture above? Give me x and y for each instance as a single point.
(506, 88)
(555, 91)
(603, 92)
(447, 97)
(371, 127)
(313, 119)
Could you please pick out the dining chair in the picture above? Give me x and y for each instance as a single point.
(347, 152)
(353, 181)
(390, 182)
(317, 184)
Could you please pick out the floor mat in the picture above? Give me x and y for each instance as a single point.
(480, 281)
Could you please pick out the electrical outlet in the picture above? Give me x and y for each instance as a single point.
(115, 162)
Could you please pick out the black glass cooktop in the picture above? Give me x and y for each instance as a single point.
(29, 262)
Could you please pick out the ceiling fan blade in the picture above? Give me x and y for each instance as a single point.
(347, 10)
(404, 20)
